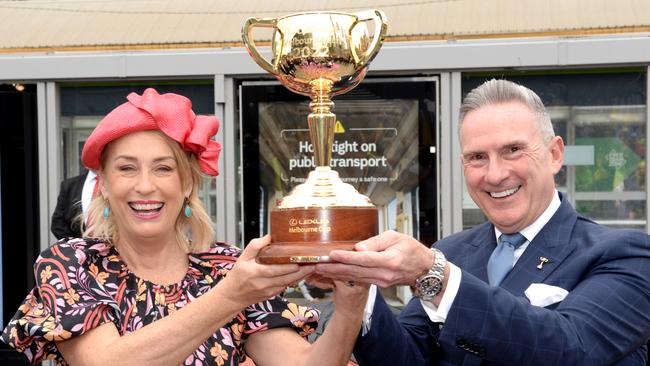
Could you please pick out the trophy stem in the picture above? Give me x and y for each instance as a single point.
(321, 121)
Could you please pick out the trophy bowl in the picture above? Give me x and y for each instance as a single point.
(319, 55)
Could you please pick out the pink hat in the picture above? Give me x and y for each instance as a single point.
(170, 113)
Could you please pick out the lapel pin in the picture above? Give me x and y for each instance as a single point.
(542, 262)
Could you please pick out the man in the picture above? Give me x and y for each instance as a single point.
(563, 291)
(74, 198)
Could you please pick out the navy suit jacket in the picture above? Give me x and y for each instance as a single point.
(604, 320)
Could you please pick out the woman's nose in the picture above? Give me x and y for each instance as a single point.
(145, 184)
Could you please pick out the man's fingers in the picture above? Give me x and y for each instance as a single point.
(365, 259)
(338, 271)
(344, 272)
(379, 242)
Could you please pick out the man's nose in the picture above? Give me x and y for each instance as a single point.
(497, 171)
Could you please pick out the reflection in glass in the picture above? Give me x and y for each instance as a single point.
(375, 152)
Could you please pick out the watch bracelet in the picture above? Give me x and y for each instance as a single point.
(437, 268)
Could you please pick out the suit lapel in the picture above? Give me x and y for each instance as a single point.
(553, 242)
(482, 246)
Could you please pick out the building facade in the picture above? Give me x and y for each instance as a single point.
(396, 139)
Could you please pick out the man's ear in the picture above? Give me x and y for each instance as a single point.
(556, 149)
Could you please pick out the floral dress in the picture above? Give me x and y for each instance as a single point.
(83, 283)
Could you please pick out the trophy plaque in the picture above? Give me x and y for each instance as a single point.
(319, 55)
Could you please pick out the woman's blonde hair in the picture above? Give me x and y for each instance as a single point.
(193, 234)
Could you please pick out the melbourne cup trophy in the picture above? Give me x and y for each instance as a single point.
(319, 55)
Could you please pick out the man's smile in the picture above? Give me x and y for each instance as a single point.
(506, 193)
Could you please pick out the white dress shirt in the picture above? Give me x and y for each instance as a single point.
(87, 191)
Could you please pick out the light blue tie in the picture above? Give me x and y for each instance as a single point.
(503, 257)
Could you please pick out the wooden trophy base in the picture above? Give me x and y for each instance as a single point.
(308, 235)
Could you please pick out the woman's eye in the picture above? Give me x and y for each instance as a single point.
(164, 169)
(126, 168)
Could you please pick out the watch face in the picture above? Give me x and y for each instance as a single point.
(430, 286)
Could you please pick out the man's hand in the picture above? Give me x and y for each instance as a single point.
(387, 259)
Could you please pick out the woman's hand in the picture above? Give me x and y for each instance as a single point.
(350, 298)
(250, 282)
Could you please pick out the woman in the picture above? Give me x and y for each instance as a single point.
(140, 292)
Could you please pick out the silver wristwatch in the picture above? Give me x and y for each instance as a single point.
(429, 285)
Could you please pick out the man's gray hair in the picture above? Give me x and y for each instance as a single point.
(502, 91)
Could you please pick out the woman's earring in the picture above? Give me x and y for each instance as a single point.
(105, 212)
(187, 211)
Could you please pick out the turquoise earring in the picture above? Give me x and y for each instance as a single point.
(187, 211)
(105, 213)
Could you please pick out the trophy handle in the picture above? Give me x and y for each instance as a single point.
(380, 31)
(247, 35)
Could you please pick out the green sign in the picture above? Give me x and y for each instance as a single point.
(614, 161)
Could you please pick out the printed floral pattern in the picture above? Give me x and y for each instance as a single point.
(84, 283)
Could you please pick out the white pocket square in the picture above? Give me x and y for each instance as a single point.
(540, 294)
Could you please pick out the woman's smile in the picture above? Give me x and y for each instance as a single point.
(146, 210)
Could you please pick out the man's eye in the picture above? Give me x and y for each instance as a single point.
(475, 157)
(513, 151)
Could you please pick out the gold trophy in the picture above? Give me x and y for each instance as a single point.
(319, 55)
